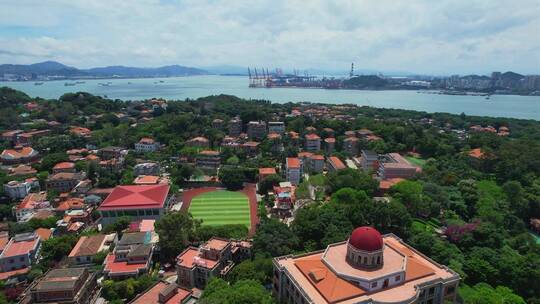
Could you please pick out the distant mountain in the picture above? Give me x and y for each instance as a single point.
(53, 68)
(511, 76)
(227, 70)
(166, 71)
(47, 68)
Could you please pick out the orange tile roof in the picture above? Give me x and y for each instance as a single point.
(72, 203)
(146, 180)
(312, 136)
(336, 163)
(317, 157)
(293, 162)
(267, 171)
(64, 165)
(190, 258)
(44, 233)
(152, 295)
(476, 153)
(327, 283)
(19, 153)
(386, 184)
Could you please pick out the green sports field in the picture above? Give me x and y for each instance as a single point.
(221, 207)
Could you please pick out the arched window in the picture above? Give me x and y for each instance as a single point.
(378, 260)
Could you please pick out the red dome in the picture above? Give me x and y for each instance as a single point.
(366, 239)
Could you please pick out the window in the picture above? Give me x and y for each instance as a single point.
(21, 259)
(398, 277)
(378, 260)
(431, 290)
(450, 290)
(374, 284)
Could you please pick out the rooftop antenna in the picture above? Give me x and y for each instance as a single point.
(352, 70)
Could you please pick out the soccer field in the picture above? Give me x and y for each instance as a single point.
(221, 207)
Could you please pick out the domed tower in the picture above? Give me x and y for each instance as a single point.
(365, 248)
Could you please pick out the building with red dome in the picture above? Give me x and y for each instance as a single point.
(366, 268)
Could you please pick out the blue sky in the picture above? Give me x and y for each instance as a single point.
(430, 37)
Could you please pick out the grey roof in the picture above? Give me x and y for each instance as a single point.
(133, 238)
(140, 250)
(60, 279)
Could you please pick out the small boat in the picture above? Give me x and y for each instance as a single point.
(80, 82)
(38, 83)
(69, 84)
(161, 81)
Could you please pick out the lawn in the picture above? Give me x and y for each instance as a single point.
(221, 207)
(416, 161)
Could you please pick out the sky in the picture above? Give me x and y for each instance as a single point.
(426, 37)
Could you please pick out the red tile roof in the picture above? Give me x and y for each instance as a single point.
(136, 197)
(19, 153)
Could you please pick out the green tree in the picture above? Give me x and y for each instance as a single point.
(241, 292)
(232, 178)
(274, 238)
(269, 182)
(176, 230)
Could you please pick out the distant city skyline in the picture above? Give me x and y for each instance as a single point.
(421, 37)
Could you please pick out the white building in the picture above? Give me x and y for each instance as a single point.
(146, 145)
(17, 190)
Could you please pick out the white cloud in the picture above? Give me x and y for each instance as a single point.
(416, 36)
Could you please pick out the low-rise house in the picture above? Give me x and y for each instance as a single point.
(19, 189)
(312, 143)
(26, 138)
(350, 146)
(111, 152)
(369, 160)
(198, 142)
(82, 187)
(112, 165)
(293, 170)
(316, 163)
(30, 205)
(334, 164)
(208, 160)
(10, 136)
(20, 252)
(19, 155)
(256, 130)
(277, 127)
(251, 147)
(135, 201)
(22, 170)
(195, 266)
(148, 168)
(329, 145)
(149, 180)
(164, 292)
(44, 233)
(284, 200)
(132, 256)
(146, 145)
(217, 123)
(80, 131)
(275, 141)
(88, 246)
(265, 172)
(66, 286)
(235, 127)
(393, 165)
(64, 167)
(64, 181)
